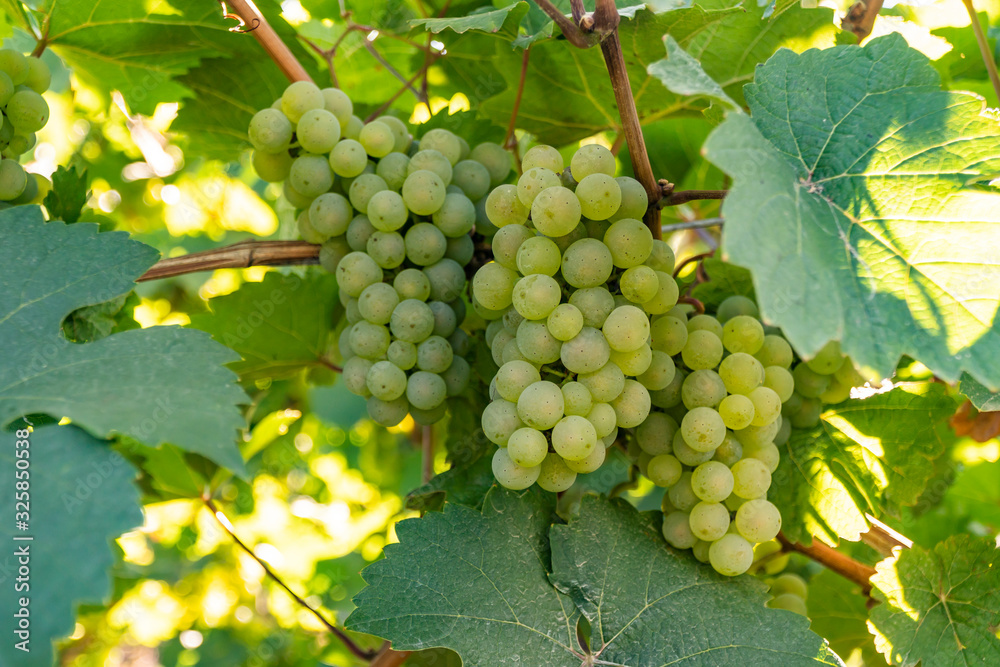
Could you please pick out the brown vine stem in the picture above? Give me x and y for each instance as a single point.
(693, 224)
(606, 20)
(832, 559)
(509, 141)
(672, 198)
(860, 18)
(570, 30)
(984, 47)
(237, 256)
(337, 632)
(258, 26)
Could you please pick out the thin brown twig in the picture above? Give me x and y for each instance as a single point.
(509, 140)
(570, 30)
(268, 38)
(329, 364)
(326, 54)
(984, 47)
(692, 258)
(578, 10)
(832, 559)
(672, 198)
(693, 224)
(364, 654)
(860, 18)
(237, 256)
(43, 39)
(421, 97)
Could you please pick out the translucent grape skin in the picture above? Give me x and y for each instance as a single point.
(511, 475)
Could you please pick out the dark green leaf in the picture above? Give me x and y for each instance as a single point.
(939, 607)
(472, 582)
(81, 496)
(278, 326)
(855, 204)
(509, 17)
(648, 615)
(90, 323)
(163, 384)
(68, 195)
(866, 455)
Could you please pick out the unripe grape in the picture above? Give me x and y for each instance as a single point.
(592, 159)
(542, 156)
(555, 475)
(731, 555)
(527, 447)
(510, 475)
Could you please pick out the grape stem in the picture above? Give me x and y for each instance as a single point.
(672, 198)
(237, 256)
(269, 40)
(844, 565)
(510, 141)
(364, 654)
(570, 28)
(984, 47)
(860, 18)
(389, 658)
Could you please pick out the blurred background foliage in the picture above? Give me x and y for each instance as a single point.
(327, 485)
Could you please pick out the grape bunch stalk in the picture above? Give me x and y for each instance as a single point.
(575, 280)
(394, 217)
(23, 79)
(713, 434)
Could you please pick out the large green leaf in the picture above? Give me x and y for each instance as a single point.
(278, 326)
(81, 496)
(567, 92)
(472, 582)
(157, 385)
(478, 583)
(132, 46)
(680, 73)
(859, 203)
(644, 614)
(866, 455)
(939, 607)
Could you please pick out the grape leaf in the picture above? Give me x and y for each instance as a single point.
(683, 75)
(939, 607)
(507, 19)
(135, 47)
(727, 40)
(855, 206)
(81, 496)
(157, 385)
(476, 583)
(278, 326)
(472, 582)
(866, 455)
(672, 609)
(838, 612)
(981, 397)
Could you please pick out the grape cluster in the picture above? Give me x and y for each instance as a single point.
(576, 277)
(23, 79)
(712, 438)
(394, 216)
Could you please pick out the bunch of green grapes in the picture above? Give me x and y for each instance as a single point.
(23, 79)
(712, 437)
(569, 297)
(394, 217)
